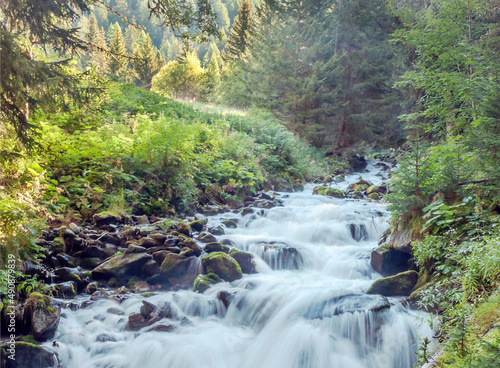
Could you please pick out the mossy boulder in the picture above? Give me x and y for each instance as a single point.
(174, 270)
(123, 267)
(203, 282)
(401, 284)
(184, 228)
(329, 192)
(246, 211)
(230, 224)
(58, 246)
(206, 238)
(65, 290)
(29, 355)
(197, 225)
(373, 196)
(42, 314)
(389, 261)
(193, 245)
(376, 189)
(244, 259)
(222, 265)
(106, 218)
(216, 230)
(213, 247)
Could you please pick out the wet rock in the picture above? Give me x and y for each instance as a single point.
(92, 287)
(89, 263)
(64, 260)
(174, 269)
(197, 225)
(262, 203)
(136, 322)
(373, 196)
(246, 211)
(280, 256)
(148, 242)
(222, 265)
(400, 239)
(32, 269)
(32, 356)
(158, 237)
(149, 310)
(376, 189)
(130, 234)
(401, 284)
(226, 296)
(195, 248)
(42, 314)
(211, 210)
(389, 261)
(65, 289)
(58, 246)
(347, 304)
(106, 218)
(146, 230)
(112, 238)
(357, 163)
(244, 259)
(329, 192)
(65, 274)
(123, 267)
(160, 255)
(213, 247)
(206, 238)
(203, 282)
(132, 248)
(358, 231)
(151, 268)
(184, 228)
(217, 230)
(139, 286)
(230, 224)
(161, 327)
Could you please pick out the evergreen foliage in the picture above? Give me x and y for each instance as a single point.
(118, 62)
(241, 32)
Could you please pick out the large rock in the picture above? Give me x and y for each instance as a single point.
(206, 238)
(400, 239)
(106, 218)
(123, 267)
(401, 284)
(197, 225)
(203, 282)
(191, 244)
(389, 261)
(29, 355)
(42, 314)
(330, 192)
(174, 270)
(244, 259)
(222, 265)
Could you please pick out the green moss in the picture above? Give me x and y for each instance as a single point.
(38, 301)
(147, 294)
(222, 265)
(184, 228)
(203, 282)
(197, 225)
(29, 339)
(58, 246)
(132, 281)
(114, 283)
(330, 192)
(373, 196)
(401, 284)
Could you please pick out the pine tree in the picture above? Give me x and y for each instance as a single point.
(242, 30)
(117, 64)
(146, 63)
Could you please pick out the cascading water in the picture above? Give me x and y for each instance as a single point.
(305, 308)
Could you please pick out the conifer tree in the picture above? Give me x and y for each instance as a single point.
(242, 30)
(117, 64)
(146, 63)
(212, 77)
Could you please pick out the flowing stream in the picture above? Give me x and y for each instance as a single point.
(305, 308)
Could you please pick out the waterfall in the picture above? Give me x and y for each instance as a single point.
(305, 308)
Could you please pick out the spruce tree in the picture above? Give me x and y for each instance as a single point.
(146, 63)
(242, 30)
(117, 64)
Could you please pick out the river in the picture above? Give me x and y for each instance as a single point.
(305, 308)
